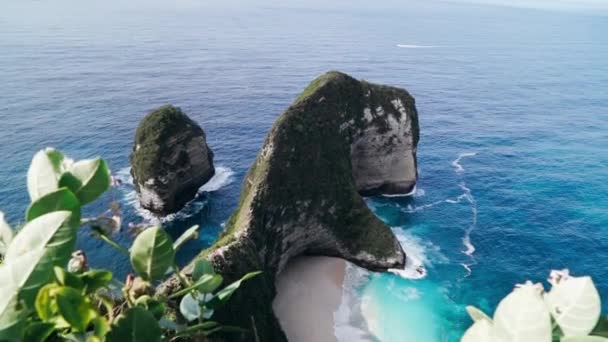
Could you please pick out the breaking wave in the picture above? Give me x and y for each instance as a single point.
(223, 177)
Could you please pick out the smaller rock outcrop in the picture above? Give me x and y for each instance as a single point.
(170, 160)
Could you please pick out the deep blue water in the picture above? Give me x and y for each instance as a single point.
(525, 90)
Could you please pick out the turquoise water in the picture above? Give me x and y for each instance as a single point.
(526, 91)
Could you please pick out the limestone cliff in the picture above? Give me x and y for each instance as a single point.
(302, 194)
(170, 160)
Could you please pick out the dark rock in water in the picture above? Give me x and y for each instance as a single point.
(341, 137)
(170, 160)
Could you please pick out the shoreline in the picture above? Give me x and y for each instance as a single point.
(309, 292)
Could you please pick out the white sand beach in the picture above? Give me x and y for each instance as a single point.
(309, 291)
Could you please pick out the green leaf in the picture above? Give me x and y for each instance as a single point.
(584, 339)
(190, 234)
(601, 328)
(224, 295)
(476, 314)
(44, 172)
(68, 279)
(152, 254)
(136, 325)
(190, 307)
(51, 238)
(575, 305)
(201, 328)
(101, 326)
(206, 284)
(12, 320)
(523, 316)
(6, 234)
(95, 279)
(61, 199)
(201, 267)
(75, 308)
(209, 283)
(154, 306)
(45, 304)
(88, 179)
(38, 331)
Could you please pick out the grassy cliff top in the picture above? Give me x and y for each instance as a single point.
(158, 131)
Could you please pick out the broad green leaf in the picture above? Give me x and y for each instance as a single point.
(601, 328)
(61, 199)
(101, 326)
(189, 307)
(584, 339)
(154, 306)
(88, 179)
(45, 304)
(190, 234)
(480, 331)
(224, 295)
(205, 284)
(209, 283)
(201, 267)
(136, 325)
(75, 308)
(6, 234)
(14, 275)
(68, 279)
(38, 331)
(152, 254)
(12, 321)
(55, 237)
(523, 316)
(575, 305)
(95, 279)
(44, 172)
(476, 314)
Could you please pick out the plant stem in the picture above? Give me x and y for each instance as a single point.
(185, 283)
(113, 244)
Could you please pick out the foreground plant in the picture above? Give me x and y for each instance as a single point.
(47, 290)
(569, 312)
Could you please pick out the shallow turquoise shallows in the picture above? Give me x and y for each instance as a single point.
(513, 103)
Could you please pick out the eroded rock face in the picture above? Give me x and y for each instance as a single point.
(302, 194)
(170, 160)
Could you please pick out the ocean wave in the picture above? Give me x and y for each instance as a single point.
(456, 163)
(414, 46)
(223, 177)
(420, 253)
(349, 324)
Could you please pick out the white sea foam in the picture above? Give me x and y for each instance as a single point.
(411, 193)
(349, 324)
(456, 163)
(223, 176)
(420, 253)
(414, 46)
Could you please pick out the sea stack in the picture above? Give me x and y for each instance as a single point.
(302, 196)
(170, 160)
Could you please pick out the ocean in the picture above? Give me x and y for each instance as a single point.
(513, 107)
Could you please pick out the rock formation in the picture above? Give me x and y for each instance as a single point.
(302, 194)
(170, 160)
